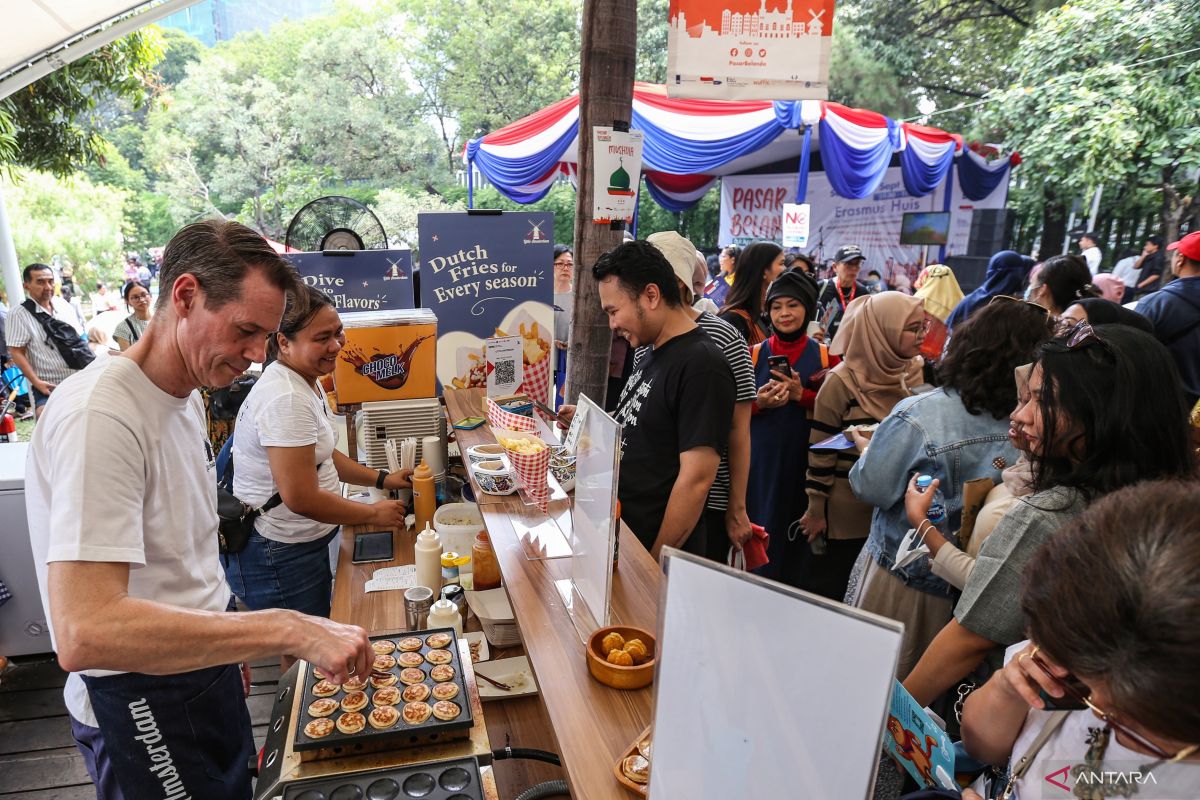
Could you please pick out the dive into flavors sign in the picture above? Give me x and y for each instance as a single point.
(749, 49)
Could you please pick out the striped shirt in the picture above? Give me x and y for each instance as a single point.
(23, 330)
(828, 484)
(737, 355)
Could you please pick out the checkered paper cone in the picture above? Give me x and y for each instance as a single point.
(531, 468)
(536, 382)
(498, 419)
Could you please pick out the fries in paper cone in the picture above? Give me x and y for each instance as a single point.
(530, 459)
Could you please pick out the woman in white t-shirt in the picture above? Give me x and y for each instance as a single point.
(284, 442)
(1111, 605)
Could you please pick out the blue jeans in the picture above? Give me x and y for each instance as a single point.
(90, 743)
(270, 574)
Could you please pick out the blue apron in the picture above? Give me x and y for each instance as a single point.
(775, 496)
(176, 736)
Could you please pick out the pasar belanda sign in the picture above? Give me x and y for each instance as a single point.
(749, 49)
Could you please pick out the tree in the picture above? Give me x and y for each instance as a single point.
(397, 211)
(53, 125)
(1116, 108)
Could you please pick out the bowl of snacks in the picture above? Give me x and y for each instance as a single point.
(494, 477)
(621, 656)
(485, 452)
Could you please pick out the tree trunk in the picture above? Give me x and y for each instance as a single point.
(606, 70)
(1054, 224)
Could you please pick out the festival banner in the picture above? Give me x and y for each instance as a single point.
(616, 173)
(488, 275)
(359, 280)
(743, 50)
(752, 209)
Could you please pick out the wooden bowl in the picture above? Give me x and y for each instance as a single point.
(619, 677)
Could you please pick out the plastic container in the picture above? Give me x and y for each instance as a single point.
(486, 574)
(451, 562)
(428, 557)
(444, 614)
(424, 496)
(457, 524)
(937, 509)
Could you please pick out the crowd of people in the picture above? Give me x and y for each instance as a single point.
(1042, 418)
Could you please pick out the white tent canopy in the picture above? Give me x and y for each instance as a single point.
(41, 36)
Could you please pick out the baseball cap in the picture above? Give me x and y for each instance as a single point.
(1188, 245)
(848, 252)
(680, 254)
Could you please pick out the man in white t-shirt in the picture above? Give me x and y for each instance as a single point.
(121, 500)
(1090, 251)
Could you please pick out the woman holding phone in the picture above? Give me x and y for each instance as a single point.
(785, 366)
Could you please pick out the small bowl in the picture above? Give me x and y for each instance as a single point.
(618, 677)
(563, 470)
(484, 452)
(494, 477)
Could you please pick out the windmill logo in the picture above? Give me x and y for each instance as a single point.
(395, 272)
(535, 235)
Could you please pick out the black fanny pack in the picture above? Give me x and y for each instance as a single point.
(74, 350)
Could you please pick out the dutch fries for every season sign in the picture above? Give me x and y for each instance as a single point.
(489, 275)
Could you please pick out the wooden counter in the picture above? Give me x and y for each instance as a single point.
(588, 724)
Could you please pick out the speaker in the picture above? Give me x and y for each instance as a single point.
(991, 231)
(968, 271)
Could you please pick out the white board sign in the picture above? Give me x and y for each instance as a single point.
(762, 690)
(795, 224)
(616, 173)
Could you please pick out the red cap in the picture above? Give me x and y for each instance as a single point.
(1188, 245)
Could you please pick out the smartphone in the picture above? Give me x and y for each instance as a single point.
(780, 364)
(545, 409)
(372, 546)
(469, 423)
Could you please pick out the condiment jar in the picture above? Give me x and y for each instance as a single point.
(444, 614)
(451, 561)
(428, 557)
(485, 570)
(424, 495)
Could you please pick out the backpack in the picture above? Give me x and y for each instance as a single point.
(236, 518)
(73, 349)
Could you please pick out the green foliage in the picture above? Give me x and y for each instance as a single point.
(398, 210)
(859, 78)
(652, 41)
(699, 223)
(53, 124)
(71, 219)
(180, 51)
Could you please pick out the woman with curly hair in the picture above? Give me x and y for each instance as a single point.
(957, 433)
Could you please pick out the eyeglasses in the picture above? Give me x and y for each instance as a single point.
(1007, 298)
(564, 264)
(1108, 719)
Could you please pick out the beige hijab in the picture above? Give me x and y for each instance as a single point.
(868, 341)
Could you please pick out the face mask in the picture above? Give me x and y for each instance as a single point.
(1029, 293)
(910, 550)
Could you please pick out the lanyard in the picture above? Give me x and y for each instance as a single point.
(841, 296)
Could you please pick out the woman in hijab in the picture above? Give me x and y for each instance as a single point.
(938, 287)
(1006, 274)
(879, 340)
(1098, 311)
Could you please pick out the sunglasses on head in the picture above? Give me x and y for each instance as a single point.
(1077, 337)
(1007, 298)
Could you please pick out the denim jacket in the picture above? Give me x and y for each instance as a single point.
(931, 434)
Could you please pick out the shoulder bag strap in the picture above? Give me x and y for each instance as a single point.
(755, 351)
(1021, 766)
(824, 355)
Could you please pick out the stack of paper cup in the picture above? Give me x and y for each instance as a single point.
(433, 451)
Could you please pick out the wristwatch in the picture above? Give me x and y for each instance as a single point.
(383, 473)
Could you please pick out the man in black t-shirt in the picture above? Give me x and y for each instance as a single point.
(676, 407)
(835, 293)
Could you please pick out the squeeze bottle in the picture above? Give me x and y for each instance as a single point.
(444, 614)
(424, 496)
(428, 556)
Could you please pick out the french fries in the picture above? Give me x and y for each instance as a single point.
(525, 447)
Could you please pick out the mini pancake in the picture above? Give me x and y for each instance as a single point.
(411, 675)
(383, 663)
(320, 675)
(322, 707)
(437, 640)
(410, 659)
(325, 689)
(351, 722)
(445, 710)
(636, 768)
(445, 691)
(409, 644)
(439, 657)
(383, 647)
(382, 679)
(354, 701)
(387, 696)
(644, 747)
(319, 728)
(383, 717)
(416, 713)
(415, 693)
(442, 672)
(354, 684)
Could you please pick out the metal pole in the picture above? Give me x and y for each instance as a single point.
(8, 259)
(1095, 209)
